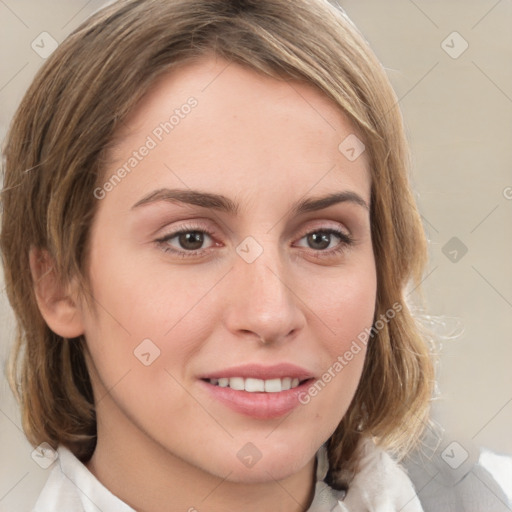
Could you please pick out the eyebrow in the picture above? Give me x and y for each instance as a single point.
(224, 204)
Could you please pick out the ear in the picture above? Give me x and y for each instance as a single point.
(57, 303)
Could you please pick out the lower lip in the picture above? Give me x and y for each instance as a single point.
(258, 405)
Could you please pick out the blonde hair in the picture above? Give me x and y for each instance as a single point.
(68, 120)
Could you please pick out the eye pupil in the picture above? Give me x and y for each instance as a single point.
(191, 240)
(319, 240)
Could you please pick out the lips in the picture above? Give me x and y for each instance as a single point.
(255, 371)
(258, 391)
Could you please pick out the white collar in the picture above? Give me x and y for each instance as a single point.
(379, 486)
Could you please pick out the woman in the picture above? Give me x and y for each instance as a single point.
(209, 279)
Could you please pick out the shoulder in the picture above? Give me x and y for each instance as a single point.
(380, 483)
(71, 486)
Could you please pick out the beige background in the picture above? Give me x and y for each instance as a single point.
(458, 115)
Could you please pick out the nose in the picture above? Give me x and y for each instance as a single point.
(262, 304)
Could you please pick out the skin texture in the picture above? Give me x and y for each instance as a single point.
(264, 144)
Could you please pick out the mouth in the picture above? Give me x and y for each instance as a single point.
(262, 392)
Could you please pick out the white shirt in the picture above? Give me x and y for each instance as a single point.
(380, 486)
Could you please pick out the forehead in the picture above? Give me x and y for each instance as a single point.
(231, 84)
(235, 127)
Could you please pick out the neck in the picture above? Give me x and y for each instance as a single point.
(152, 479)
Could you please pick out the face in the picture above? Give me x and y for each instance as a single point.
(231, 266)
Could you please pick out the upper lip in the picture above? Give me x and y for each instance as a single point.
(258, 371)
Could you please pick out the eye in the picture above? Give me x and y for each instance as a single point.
(194, 241)
(328, 240)
(190, 240)
(187, 241)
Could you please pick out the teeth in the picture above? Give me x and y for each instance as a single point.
(236, 383)
(253, 385)
(273, 386)
(256, 385)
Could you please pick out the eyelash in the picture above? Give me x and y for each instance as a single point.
(345, 241)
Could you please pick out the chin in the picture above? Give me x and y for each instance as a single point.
(251, 465)
(264, 472)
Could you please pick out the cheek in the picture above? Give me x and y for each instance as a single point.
(345, 304)
(344, 309)
(144, 313)
(141, 338)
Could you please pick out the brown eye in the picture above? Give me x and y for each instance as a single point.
(319, 240)
(324, 239)
(191, 240)
(187, 241)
